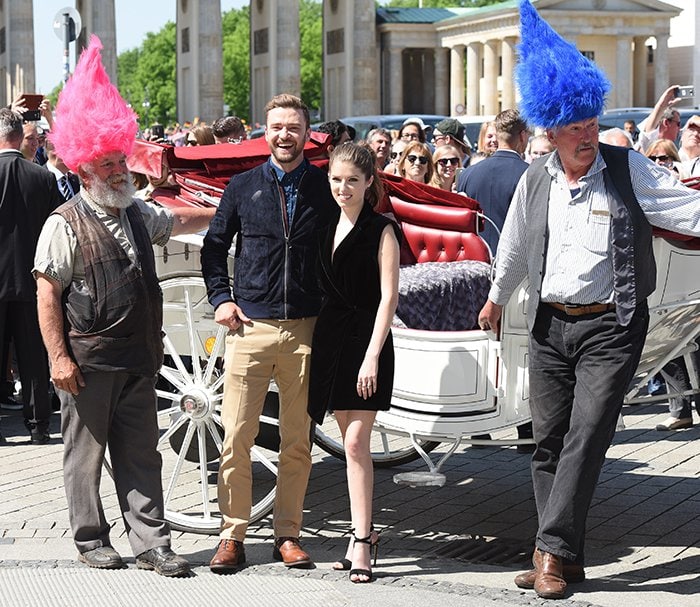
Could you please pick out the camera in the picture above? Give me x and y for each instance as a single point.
(685, 91)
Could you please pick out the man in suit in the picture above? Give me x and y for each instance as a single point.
(492, 181)
(29, 194)
(68, 182)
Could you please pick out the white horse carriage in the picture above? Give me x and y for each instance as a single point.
(450, 384)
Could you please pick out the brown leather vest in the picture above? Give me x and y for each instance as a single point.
(113, 320)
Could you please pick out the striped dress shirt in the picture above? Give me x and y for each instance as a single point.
(578, 266)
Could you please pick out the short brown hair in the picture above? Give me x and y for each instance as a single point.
(509, 125)
(287, 100)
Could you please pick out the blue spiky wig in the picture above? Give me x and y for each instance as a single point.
(558, 85)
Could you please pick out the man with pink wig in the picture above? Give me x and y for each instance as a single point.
(100, 312)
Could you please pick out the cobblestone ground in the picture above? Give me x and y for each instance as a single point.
(467, 538)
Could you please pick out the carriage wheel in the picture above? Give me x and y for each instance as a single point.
(190, 390)
(387, 449)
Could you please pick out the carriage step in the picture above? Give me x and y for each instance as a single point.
(420, 479)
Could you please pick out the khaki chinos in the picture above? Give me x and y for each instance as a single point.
(255, 353)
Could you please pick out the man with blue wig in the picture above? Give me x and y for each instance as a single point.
(580, 229)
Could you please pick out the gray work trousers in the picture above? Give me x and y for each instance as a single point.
(580, 367)
(115, 410)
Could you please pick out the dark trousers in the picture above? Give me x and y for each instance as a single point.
(19, 321)
(580, 368)
(114, 410)
(677, 378)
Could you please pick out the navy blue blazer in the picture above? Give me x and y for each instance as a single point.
(492, 182)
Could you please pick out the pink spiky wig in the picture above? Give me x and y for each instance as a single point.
(92, 119)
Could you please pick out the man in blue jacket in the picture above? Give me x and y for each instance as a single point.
(274, 211)
(492, 181)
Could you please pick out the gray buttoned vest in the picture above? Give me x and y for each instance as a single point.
(632, 255)
(113, 322)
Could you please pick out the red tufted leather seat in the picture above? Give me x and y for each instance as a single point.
(438, 233)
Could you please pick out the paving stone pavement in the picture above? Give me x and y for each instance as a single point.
(455, 545)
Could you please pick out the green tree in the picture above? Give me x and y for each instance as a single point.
(146, 77)
(127, 67)
(311, 52)
(235, 30)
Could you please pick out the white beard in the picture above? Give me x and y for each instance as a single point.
(107, 197)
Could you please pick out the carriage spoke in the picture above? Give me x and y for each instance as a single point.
(192, 334)
(258, 455)
(217, 387)
(215, 353)
(178, 464)
(172, 376)
(385, 443)
(170, 349)
(204, 484)
(214, 431)
(178, 423)
(166, 413)
(166, 395)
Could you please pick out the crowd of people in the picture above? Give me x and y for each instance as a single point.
(315, 288)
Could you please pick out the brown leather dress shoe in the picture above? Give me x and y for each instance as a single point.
(549, 579)
(573, 574)
(289, 551)
(229, 557)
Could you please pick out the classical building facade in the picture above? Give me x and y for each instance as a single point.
(466, 56)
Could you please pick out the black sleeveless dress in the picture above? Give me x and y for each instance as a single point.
(351, 288)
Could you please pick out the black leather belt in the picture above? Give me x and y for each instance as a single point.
(581, 309)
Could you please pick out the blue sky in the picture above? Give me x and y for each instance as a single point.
(135, 18)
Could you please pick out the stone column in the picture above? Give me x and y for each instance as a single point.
(364, 83)
(623, 71)
(490, 82)
(457, 75)
(507, 86)
(473, 77)
(200, 72)
(396, 81)
(660, 65)
(640, 72)
(98, 18)
(17, 62)
(442, 82)
(274, 58)
(287, 45)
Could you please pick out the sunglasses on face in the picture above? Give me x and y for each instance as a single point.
(419, 159)
(394, 155)
(190, 142)
(662, 158)
(448, 161)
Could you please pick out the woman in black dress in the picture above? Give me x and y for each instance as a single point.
(352, 361)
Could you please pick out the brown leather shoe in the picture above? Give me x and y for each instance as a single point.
(289, 551)
(549, 579)
(573, 574)
(229, 557)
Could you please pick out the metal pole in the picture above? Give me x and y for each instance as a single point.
(66, 44)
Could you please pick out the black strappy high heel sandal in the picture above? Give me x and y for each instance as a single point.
(366, 572)
(345, 563)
